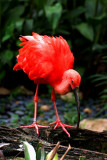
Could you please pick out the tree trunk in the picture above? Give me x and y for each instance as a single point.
(92, 145)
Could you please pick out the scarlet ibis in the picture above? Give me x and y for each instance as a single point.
(48, 60)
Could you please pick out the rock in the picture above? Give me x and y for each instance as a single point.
(70, 97)
(94, 124)
(87, 110)
(20, 113)
(21, 108)
(45, 108)
(17, 102)
(4, 91)
(9, 113)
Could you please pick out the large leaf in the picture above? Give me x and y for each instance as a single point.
(86, 30)
(53, 14)
(29, 151)
(40, 3)
(28, 26)
(8, 32)
(19, 24)
(99, 47)
(98, 20)
(90, 6)
(15, 13)
(6, 57)
(79, 10)
(40, 153)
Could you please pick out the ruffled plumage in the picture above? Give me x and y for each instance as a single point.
(44, 58)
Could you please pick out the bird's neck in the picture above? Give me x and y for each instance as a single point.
(63, 87)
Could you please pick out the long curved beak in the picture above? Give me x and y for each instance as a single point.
(75, 90)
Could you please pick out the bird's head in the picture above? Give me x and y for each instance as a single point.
(74, 79)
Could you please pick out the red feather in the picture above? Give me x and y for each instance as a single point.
(44, 58)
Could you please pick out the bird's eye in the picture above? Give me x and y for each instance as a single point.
(72, 81)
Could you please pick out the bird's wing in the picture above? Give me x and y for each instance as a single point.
(43, 56)
(34, 57)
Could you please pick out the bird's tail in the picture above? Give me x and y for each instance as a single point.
(25, 39)
(16, 67)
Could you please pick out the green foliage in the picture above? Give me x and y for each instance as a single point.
(53, 14)
(82, 23)
(101, 79)
(29, 151)
(38, 154)
(86, 30)
(30, 110)
(102, 109)
(55, 157)
(71, 116)
(82, 158)
(15, 120)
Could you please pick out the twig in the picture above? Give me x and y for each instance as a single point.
(54, 151)
(69, 147)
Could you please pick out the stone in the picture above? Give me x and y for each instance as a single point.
(69, 97)
(4, 91)
(99, 125)
(45, 108)
(87, 110)
(20, 113)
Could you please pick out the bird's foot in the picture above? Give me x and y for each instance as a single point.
(59, 123)
(37, 126)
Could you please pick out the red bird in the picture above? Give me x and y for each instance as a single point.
(48, 60)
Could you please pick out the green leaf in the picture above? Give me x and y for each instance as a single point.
(82, 158)
(2, 75)
(102, 109)
(53, 14)
(90, 7)
(19, 24)
(99, 47)
(29, 151)
(49, 154)
(7, 56)
(28, 27)
(15, 13)
(98, 20)
(79, 10)
(99, 77)
(42, 153)
(86, 30)
(40, 3)
(8, 32)
(101, 83)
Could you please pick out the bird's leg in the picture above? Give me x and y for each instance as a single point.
(58, 121)
(34, 124)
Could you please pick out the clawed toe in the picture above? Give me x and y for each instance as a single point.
(34, 124)
(59, 123)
